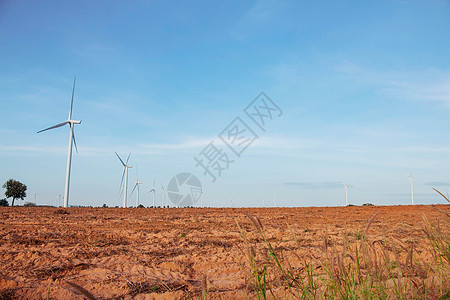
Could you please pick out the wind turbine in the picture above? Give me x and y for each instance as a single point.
(124, 174)
(154, 192)
(274, 200)
(136, 186)
(346, 193)
(201, 197)
(166, 196)
(162, 195)
(59, 200)
(412, 190)
(71, 141)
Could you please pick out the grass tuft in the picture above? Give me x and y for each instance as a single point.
(349, 269)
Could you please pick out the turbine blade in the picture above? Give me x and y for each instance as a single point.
(133, 189)
(128, 158)
(56, 126)
(74, 141)
(123, 175)
(71, 103)
(120, 159)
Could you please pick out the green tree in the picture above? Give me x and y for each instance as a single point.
(4, 202)
(15, 190)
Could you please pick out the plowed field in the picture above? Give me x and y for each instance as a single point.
(158, 253)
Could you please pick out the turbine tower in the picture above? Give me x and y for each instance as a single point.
(154, 192)
(412, 190)
(71, 141)
(136, 185)
(346, 193)
(124, 174)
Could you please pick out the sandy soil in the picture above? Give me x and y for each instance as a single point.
(146, 253)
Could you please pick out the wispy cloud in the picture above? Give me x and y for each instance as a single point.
(53, 150)
(437, 183)
(418, 85)
(316, 185)
(409, 195)
(257, 18)
(190, 143)
(431, 84)
(437, 90)
(17, 150)
(266, 142)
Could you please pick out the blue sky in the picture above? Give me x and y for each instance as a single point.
(364, 88)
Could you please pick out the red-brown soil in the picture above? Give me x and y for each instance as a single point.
(146, 253)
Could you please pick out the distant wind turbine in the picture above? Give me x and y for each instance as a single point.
(154, 192)
(166, 196)
(124, 175)
(346, 193)
(69, 151)
(162, 195)
(136, 185)
(412, 190)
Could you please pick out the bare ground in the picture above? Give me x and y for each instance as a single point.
(146, 253)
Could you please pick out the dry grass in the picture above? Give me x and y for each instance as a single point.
(358, 268)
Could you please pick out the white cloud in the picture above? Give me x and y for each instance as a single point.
(418, 85)
(16, 150)
(316, 185)
(256, 18)
(437, 90)
(432, 85)
(190, 143)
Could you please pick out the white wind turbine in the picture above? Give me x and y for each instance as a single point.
(124, 174)
(162, 195)
(136, 185)
(154, 192)
(166, 196)
(71, 141)
(346, 193)
(412, 190)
